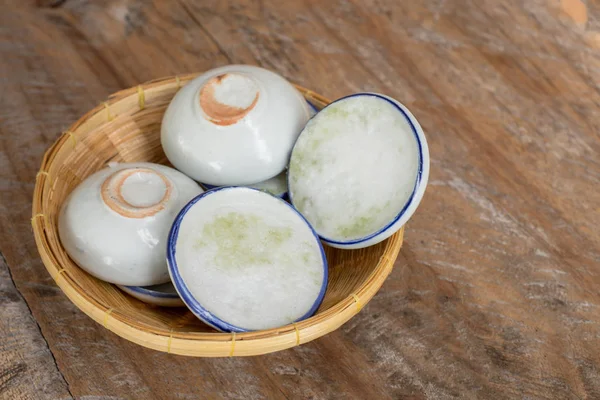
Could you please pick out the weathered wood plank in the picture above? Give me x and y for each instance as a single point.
(27, 367)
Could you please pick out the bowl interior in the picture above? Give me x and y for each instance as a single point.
(127, 129)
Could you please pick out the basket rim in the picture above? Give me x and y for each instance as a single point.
(207, 344)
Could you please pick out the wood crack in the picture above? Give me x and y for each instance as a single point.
(204, 30)
(51, 3)
(39, 328)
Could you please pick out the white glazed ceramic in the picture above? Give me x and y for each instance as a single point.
(163, 295)
(243, 260)
(359, 170)
(115, 223)
(276, 186)
(233, 125)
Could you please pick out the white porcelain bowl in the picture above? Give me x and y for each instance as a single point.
(115, 223)
(244, 260)
(277, 186)
(163, 295)
(234, 125)
(359, 170)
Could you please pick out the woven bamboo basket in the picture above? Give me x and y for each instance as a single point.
(126, 128)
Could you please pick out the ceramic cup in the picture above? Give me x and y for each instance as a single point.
(277, 186)
(234, 125)
(244, 260)
(359, 170)
(163, 295)
(115, 223)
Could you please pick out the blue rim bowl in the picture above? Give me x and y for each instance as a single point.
(148, 295)
(418, 190)
(191, 302)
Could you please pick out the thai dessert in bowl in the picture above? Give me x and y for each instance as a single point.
(242, 259)
(359, 170)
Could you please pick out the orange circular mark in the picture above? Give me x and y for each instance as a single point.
(576, 10)
(219, 113)
(113, 197)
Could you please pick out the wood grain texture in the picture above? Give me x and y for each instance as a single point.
(27, 367)
(495, 294)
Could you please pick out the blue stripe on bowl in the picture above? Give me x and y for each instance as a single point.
(312, 107)
(417, 181)
(153, 293)
(207, 186)
(191, 301)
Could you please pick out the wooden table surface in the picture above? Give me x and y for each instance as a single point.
(496, 293)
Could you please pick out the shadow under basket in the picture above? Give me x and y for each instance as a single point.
(126, 128)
